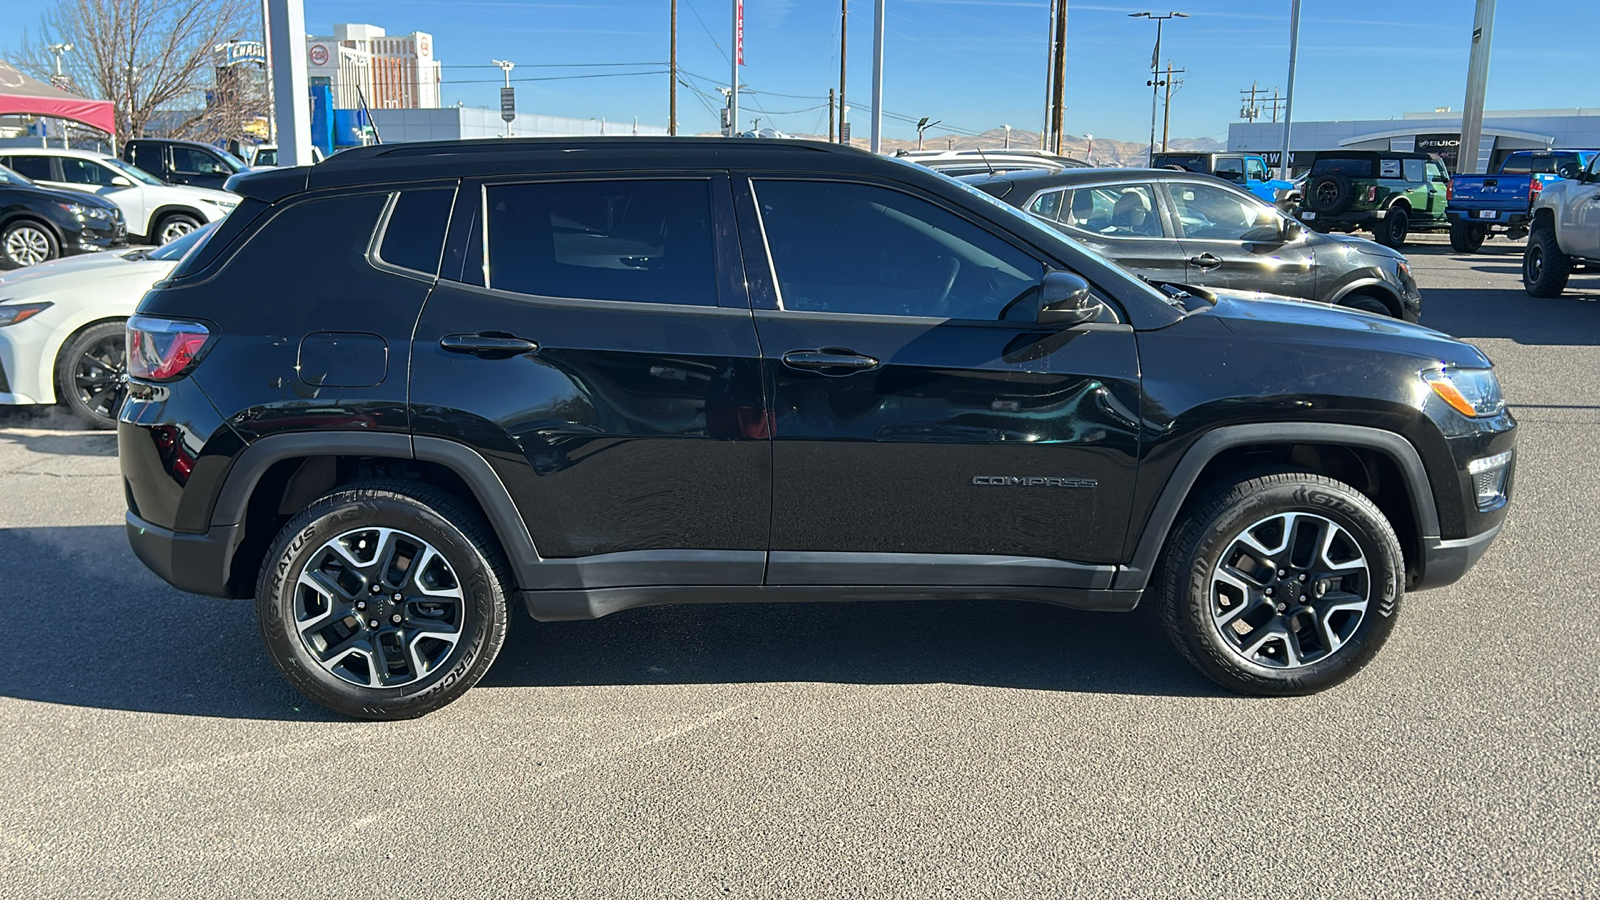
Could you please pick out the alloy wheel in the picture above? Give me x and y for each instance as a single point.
(378, 607)
(100, 377)
(1535, 262)
(173, 230)
(27, 245)
(1289, 591)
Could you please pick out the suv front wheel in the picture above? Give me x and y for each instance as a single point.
(383, 600)
(1281, 584)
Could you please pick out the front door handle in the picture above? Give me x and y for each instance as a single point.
(1205, 261)
(488, 344)
(829, 361)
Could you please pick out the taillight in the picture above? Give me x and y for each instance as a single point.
(1372, 193)
(1534, 187)
(163, 349)
(1449, 190)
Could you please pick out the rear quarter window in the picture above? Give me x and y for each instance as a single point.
(413, 235)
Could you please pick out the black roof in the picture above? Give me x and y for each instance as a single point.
(1038, 179)
(434, 160)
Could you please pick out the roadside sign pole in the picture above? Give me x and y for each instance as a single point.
(877, 78)
(737, 61)
(1477, 85)
(1288, 99)
(286, 32)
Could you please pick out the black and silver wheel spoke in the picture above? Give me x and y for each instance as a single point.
(1289, 590)
(99, 379)
(378, 607)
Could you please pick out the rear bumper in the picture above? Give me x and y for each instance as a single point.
(1490, 217)
(197, 563)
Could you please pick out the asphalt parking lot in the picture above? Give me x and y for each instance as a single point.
(951, 749)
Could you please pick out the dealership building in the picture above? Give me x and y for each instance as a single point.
(1429, 132)
(363, 62)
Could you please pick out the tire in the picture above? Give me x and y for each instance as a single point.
(1391, 230)
(413, 656)
(1368, 303)
(1255, 632)
(1466, 238)
(26, 243)
(91, 374)
(172, 226)
(1331, 193)
(1545, 268)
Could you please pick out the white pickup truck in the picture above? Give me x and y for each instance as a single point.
(1565, 235)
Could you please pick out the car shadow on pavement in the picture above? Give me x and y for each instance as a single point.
(1573, 319)
(86, 625)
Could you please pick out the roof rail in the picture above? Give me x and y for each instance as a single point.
(357, 155)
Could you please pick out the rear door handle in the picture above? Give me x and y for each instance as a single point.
(489, 345)
(1205, 261)
(829, 361)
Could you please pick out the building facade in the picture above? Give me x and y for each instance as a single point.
(454, 123)
(363, 62)
(1428, 132)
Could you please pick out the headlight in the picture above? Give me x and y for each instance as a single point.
(11, 315)
(1404, 268)
(76, 210)
(1475, 393)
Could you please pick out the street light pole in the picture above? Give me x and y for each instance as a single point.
(1288, 99)
(877, 78)
(1155, 69)
(506, 66)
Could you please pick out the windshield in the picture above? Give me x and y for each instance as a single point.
(178, 249)
(234, 161)
(132, 171)
(7, 176)
(267, 156)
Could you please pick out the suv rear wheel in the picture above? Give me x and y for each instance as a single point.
(1545, 268)
(384, 600)
(1465, 238)
(1281, 584)
(1391, 230)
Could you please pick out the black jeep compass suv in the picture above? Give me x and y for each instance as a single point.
(396, 394)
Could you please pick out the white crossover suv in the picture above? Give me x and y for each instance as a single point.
(156, 212)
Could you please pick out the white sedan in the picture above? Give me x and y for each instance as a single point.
(156, 212)
(61, 327)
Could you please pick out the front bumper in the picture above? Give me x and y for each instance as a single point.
(197, 563)
(1444, 562)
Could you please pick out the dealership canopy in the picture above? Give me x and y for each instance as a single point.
(21, 95)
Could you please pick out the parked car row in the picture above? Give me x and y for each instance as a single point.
(155, 212)
(39, 223)
(1246, 170)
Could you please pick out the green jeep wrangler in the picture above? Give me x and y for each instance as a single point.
(1389, 194)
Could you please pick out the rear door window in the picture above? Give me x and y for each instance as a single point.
(636, 241)
(413, 236)
(193, 161)
(148, 158)
(1350, 168)
(1414, 171)
(1121, 210)
(35, 167)
(84, 171)
(1047, 204)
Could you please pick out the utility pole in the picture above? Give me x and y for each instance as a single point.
(1477, 85)
(1277, 105)
(1058, 84)
(923, 125)
(877, 77)
(1166, 107)
(1155, 67)
(830, 115)
(672, 89)
(1251, 110)
(844, 30)
(1288, 99)
(1049, 76)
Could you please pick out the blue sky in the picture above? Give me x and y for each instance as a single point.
(976, 64)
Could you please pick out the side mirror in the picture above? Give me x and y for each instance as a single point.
(119, 181)
(1292, 229)
(1066, 300)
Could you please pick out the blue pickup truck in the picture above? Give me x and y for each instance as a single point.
(1247, 170)
(1502, 203)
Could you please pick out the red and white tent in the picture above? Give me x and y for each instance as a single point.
(21, 95)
